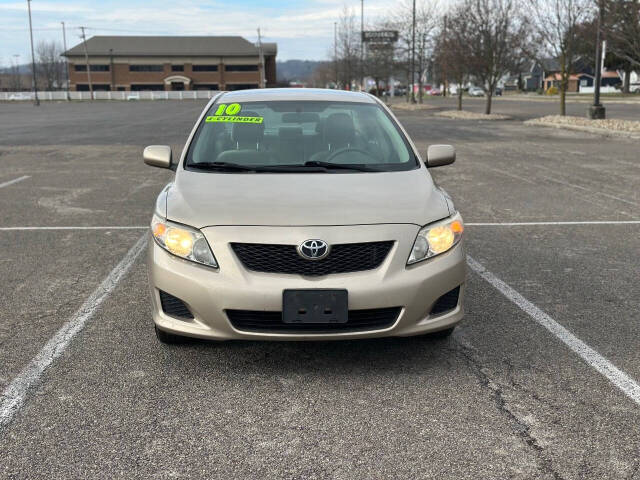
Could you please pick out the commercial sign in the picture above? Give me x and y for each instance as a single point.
(380, 36)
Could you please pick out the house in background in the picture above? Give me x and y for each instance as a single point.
(554, 80)
(611, 82)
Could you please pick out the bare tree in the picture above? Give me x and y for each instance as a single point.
(427, 19)
(348, 48)
(622, 31)
(322, 75)
(452, 48)
(556, 25)
(496, 39)
(617, 56)
(49, 64)
(16, 77)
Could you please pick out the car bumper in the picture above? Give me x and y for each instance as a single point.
(209, 293)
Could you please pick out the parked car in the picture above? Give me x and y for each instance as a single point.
(303, 214)
(476, 92)
(498, 92)
(634, 88)
(435, 91)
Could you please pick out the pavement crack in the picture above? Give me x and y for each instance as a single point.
(520, 427)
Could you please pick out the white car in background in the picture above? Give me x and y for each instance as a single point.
(476, 92)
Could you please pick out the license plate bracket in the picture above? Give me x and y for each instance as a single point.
(322, 306)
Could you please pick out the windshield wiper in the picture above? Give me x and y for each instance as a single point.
(310, 166)
(228, 166)
(340, 166)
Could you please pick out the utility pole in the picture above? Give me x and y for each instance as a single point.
(86, 59)
(261, 53)
(362, 87)
(66, 60)
(335, 50)
(36, 102)
(597, 111)
(413, 53)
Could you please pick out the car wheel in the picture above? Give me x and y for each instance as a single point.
(168, 338)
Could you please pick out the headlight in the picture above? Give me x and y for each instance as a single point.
(182, 241)
(436, 238)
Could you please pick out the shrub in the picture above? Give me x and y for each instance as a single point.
(552, 91)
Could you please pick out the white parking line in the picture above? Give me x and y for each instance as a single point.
(526, 224)
(15, 180)
(616, 376)
(13, 397)
(134, 227)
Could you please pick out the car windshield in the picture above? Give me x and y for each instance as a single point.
(299, 136)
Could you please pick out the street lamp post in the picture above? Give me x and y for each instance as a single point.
(597, 111)
(36, 102)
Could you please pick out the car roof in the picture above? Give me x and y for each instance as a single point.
(295, 94)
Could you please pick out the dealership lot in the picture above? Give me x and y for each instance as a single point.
(553, 219)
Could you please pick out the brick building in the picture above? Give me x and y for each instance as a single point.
(119, 63)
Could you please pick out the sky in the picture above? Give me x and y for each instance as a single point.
(303, 29)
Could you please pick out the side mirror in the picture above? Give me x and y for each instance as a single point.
(157, 156)
(439, 155)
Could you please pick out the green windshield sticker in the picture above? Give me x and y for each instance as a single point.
(231, 109)
(227, 114)
(232, 119)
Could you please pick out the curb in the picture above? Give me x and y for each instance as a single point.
(451, 115)
(554, 98)
(581, 128)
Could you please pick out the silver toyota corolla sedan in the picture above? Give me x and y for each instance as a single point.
(303, 214)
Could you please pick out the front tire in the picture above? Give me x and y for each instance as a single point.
(168, 338)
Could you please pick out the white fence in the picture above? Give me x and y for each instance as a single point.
(101, 95)
(603, 89)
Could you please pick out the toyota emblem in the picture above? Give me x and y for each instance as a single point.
(313, 249)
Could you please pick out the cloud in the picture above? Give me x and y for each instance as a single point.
(302, 28)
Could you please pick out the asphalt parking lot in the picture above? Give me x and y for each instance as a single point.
(540, 381)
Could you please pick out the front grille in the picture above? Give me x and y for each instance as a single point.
(359, 320)
(343, 258)
(174, 306)
(446, 302)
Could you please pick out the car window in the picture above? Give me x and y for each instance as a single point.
(287, 133)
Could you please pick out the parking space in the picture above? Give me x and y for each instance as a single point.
(78, 185)
(504, 398)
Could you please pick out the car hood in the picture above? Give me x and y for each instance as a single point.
(204, 199)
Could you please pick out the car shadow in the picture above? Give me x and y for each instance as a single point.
(344, 357)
